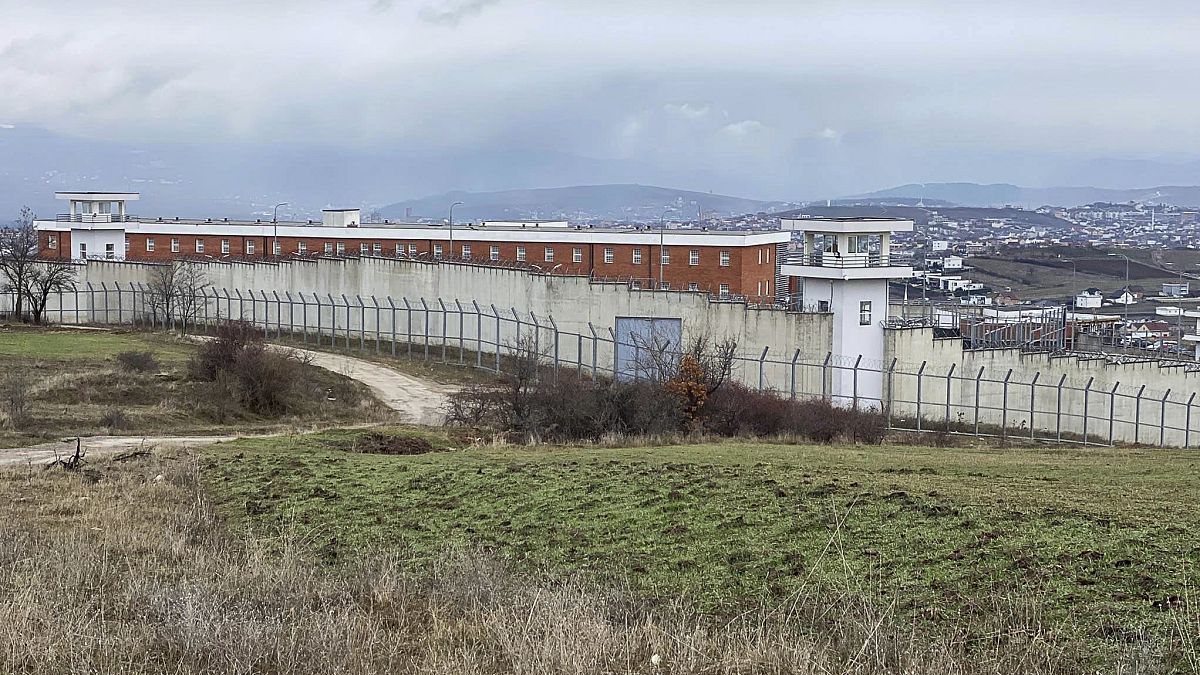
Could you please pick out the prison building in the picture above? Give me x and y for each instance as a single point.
(734, 264)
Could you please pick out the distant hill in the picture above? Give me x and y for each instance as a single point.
(642, 203)
(1005, 194)
(920, 216)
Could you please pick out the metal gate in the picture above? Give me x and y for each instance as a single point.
(646, 345)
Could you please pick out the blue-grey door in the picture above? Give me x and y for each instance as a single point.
(646, 345)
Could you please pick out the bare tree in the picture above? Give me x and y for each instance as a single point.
(43, 280)
(18, 257)
(176, 292)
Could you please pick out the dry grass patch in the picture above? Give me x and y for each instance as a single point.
(131, 572)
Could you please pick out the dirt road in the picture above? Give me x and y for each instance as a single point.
(418, 402)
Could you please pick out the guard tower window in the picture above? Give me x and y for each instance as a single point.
(864, 313)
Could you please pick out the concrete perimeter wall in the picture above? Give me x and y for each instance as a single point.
(573, 303)
(1053, 393)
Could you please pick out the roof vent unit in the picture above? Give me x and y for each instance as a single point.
(340, 217)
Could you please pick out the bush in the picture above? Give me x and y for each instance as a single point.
(114, 418)
(14, 390)
(137, 362)
(736, 410)
(262, 381)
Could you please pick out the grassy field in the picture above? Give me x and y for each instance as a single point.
(1093, 547)
(74, 384)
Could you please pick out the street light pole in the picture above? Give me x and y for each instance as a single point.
(275, 226)
(450, 253)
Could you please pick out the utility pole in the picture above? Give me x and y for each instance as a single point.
(662, 228)
(450, 253)
(275, 226)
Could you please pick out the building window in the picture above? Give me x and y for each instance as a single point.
(301, 247)
(437, 250)
(224, 247)
(377, 248)
(693, 257)
(466, 251)
(364, 248)
(724, 290)
(110, 251)
(52, 241)
(822, 305)
(199, 245)
(495, 253)
(637, 256)
(864, 313)
(328, 247)
(520, 254)
(341, 248)
(83, 250)
(174, 245)
(399, 250)
(664, 285)
(149, 244)
(577, 255)
(693, 286)
(127, 245)
(249, 247)
(549, 254)
(608, 256)
(276, 247)
(724, 258)
(412, 250)
(665, 256)
(759, 256)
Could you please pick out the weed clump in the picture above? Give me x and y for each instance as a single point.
(137, 362)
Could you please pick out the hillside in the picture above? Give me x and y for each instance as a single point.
(921, 215)
(581, 202)
(1004, 194)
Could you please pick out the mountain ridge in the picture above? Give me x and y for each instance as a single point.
(997, 195)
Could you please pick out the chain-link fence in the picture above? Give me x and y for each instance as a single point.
(1007, 404)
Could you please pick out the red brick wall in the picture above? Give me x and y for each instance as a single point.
(60, 252)
(751, 269)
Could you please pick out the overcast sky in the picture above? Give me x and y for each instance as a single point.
(788, 97)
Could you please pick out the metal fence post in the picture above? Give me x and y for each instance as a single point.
(554, 332)
(595, 349)
(425, 313)
(1112, 410)
(1187, 424)
(496, 312)
(1137, 416)
(317, 300)
(762, 360)
(949, 386)
(920, 384)
(615, 372)
(362, 324)
(462, 328)
(375, 301)
(1058, 409)
(392, 307)
(792, 376)
(445, 326)
(978, 380)
(1004, 407)
(1162, 420)
(478, 335)
(91, 303)
(857, 361)
(1032, 405)
(537, 335)
(826, 383)
(1086, 391)
(408, 326)
(891, 397)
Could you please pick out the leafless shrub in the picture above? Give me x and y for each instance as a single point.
(114, 418)
(736, 410)
(137, 362)
(262, 381)
(15, 392)
(176, 293)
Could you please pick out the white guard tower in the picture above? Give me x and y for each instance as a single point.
(97, 222)
(844, 268)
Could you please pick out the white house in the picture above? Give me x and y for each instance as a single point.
(1089, 299)
(1123, 297)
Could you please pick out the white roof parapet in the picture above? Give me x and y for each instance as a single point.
(846, 225)
(99, 196)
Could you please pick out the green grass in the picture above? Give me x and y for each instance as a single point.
(1099, 541)
(69, 345)
(73, 383)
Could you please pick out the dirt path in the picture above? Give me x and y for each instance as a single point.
(418, 402)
